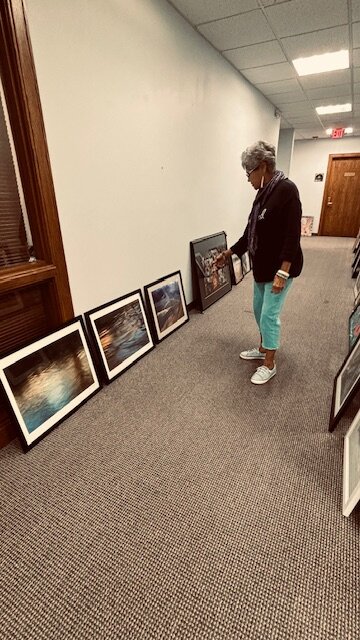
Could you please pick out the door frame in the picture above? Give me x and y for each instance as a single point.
(327, 183)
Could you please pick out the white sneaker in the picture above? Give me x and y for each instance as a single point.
(263, 374)
(252, 354)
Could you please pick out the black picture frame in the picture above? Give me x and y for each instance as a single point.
(354, 325)
(210, 283)
(357, 291)
(236, 269)
(355, 267)
(357, 242)
(166, 305)
(346, 384)
(47, 380)
(120, 332)
(246, 263)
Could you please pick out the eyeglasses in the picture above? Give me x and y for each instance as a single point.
(248, 173)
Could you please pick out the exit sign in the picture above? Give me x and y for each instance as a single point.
(338, 133)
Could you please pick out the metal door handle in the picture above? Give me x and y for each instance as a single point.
(329, 200)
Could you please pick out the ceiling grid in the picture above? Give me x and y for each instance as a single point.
(260, 38)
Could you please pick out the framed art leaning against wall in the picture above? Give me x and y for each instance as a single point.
(209, 281)
(346, 384)
(120, 332)
(47, 380)
(166, 303)
(351, 467)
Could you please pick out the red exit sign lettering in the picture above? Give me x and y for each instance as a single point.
(338, 133)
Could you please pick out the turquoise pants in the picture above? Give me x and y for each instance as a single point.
(267, 309)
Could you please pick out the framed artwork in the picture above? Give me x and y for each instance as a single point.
(354, 326)
(351, 467)
(357, 291)
(307, 223)
(120, 333)
(236, 269)
(356, 264)
(210, 282)
(246, 263)
(47, 380)
(167, 305)
(357, 242)
(346, 384)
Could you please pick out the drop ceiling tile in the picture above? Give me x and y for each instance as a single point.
(356, 57)
(297, 123)
(325, 79)
(302, 109)
(356, 34)
(355, 10)
(356, 88)
(269, 88)
(315, 43)
(356, 74)
(256, 55)
(272, 73)
(288, 96)
(301, 16)
(248, 28)
(207, 10)
(320, 102)
(329, 92)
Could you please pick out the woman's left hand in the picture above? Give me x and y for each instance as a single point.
(278, 284)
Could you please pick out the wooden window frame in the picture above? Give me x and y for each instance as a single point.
(25, 114)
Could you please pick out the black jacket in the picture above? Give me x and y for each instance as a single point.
(278, 232)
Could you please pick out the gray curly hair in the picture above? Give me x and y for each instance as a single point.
(260, 151)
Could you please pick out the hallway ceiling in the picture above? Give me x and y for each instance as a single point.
(260, 38)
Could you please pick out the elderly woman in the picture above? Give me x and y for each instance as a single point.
(272, 237)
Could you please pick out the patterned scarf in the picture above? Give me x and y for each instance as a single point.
(261, 197)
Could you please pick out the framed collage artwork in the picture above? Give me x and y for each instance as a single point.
(210, 282)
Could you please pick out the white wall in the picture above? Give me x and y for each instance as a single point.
(311, 157)
(285, 150)
(145, 125)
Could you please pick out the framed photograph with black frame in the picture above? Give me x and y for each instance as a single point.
(48, 380)
(246, 263)
(357, 242)
(236, 269)
(354, 325)
(120, 332)
(351, 467)
(166, 303)
(357, 291)
(346, 384)
(355, 267)
(209, 281)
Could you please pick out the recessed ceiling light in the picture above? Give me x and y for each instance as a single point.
(334, 108)
(321, 63)
(328, 132)
(349, 130)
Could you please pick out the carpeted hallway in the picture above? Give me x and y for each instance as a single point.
(183, 502)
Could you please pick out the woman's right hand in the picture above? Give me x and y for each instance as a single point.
(221, 260)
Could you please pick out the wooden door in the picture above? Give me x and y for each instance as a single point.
(340, 214)
(34, 289)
